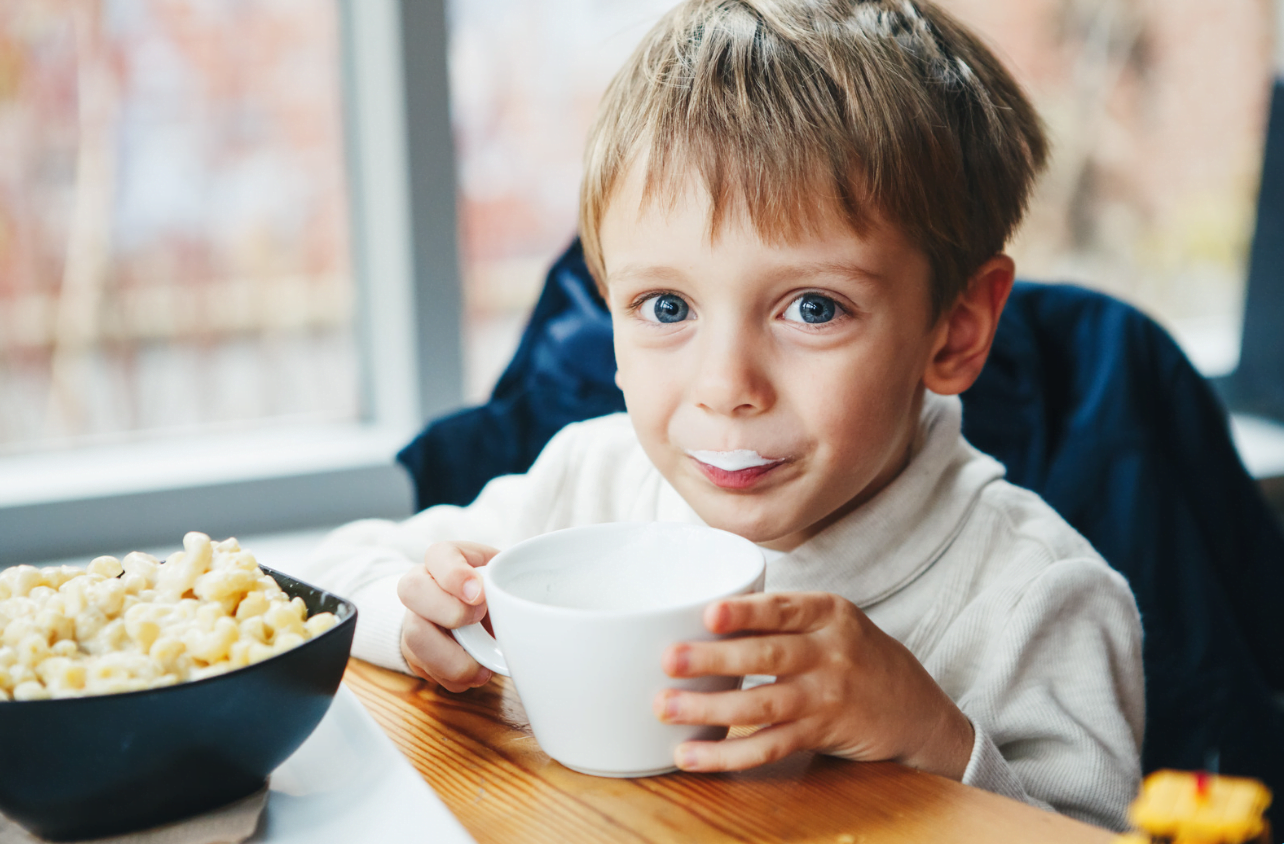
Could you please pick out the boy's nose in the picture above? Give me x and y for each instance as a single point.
(730, 378)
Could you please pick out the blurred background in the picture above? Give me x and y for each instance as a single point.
(177, 201)
(174, 232)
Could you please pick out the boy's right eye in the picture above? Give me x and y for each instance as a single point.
(664, 308)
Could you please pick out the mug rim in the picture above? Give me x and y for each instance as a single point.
(742, 586)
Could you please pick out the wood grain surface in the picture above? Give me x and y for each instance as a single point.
(476, 751)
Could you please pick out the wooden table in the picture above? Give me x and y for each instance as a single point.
(476, 751)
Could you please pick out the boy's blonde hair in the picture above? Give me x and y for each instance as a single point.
(799, 111)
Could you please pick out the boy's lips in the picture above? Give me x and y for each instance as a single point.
(738, 469)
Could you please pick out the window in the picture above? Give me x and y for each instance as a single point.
(173, 214)
(239, 209)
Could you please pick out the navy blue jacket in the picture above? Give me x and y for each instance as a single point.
(1087, 402)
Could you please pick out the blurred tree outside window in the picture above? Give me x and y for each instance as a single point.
(1156, 109)
(174, 247)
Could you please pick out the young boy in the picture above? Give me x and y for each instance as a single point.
(795, 210)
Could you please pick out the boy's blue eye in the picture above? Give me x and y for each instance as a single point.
(667, 307)
(812, 308)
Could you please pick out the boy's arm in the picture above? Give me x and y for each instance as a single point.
(1035, 693)
(1058, 699)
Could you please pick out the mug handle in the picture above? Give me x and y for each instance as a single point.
(482, 647)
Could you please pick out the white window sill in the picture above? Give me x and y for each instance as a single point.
(144, 494)
(1260, 443)
(180, 463)
(286, 552)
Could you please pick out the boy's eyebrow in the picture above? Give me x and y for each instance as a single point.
(848, 270)
(644, 272)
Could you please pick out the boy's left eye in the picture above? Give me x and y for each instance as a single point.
(664, 308)
(812, 308)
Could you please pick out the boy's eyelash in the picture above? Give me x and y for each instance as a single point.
(651, 294)
(843, 309)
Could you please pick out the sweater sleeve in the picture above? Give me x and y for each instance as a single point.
(364, 560)
(1058, 701)
(988, 770)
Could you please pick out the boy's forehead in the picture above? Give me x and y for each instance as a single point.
(645, 226)
(781, 267)
(643, 190)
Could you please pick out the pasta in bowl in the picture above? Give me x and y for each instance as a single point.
(138, 692)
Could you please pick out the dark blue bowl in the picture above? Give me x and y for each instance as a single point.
(88, 767)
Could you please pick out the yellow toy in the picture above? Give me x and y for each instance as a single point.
(1199, 808)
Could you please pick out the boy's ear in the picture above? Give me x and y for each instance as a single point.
(967, 329)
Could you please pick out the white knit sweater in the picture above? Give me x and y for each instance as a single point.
(1035, 638)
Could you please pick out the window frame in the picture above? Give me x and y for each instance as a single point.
(1257, 384)
(400, 157)
(1254, 391)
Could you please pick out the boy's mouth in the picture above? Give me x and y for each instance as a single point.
(738, 469)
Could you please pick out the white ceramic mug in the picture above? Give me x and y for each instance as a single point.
(583, 616)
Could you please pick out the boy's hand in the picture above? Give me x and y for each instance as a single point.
(440, 595)
(843, 687)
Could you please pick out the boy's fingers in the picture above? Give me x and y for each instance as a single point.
(775, 655)
(423, 596)
(422, 673)
(769, 704)
(737, 754)
(451, 564)
(435, 654)
(773, 612)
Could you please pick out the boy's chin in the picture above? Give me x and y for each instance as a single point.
(765, 518)
(761, 530)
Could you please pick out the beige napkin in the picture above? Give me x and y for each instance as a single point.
(231, 824)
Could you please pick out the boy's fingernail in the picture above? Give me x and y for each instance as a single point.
(686, 758)
(471, 589)
(681, 660)
(717, 617)
(668, 708)
(483, 676)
